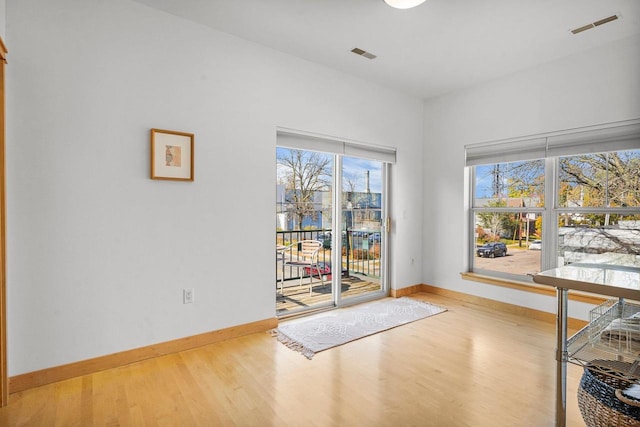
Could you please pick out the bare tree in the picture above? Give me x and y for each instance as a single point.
(303, 173)
(589, 180)
(606, 180)
(349, 185)
(525, 179)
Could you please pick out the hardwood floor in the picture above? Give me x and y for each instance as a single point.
(469, 366)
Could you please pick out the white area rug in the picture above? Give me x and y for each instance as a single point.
(319, 332)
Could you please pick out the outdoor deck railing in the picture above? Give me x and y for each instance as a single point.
(360, 252)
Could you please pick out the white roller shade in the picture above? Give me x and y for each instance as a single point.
(307, 142)
(502, 152)
(594, 139)
(626, 137)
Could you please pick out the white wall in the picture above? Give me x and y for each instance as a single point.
(98, 254)
(2, 18)
(597, 86)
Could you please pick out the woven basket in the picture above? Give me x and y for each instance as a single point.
(602, 403)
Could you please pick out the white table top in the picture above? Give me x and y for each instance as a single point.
(621, 281)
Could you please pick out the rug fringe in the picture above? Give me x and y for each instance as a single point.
(293, 344)
(323, 331)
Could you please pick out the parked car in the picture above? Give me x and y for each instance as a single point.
(536, 245)
(492, 250)
(325, 238)
(374, 237)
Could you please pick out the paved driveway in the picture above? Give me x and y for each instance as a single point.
(517, 261)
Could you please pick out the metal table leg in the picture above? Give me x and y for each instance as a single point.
(561, 357)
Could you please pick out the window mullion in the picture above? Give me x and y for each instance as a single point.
(595, 210)
(508, 210)
(550, 217)
(471, 237)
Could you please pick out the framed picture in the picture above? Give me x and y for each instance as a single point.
(171, 155)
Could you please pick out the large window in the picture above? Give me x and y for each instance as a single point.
(553, 200)
(598, 198)
(508, 202)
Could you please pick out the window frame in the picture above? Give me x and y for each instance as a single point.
(614, 137)
(471, 242)
(558, 210)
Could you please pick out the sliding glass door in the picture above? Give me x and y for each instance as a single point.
(338, 203)
(304, 214)
(363, 211)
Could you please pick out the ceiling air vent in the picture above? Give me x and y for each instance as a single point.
(364, 53)
(594, 24)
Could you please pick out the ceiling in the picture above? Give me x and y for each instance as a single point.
(435, 48)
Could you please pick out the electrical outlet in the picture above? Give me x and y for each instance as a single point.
(187, 296)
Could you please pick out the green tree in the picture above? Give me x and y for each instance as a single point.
(497, 223)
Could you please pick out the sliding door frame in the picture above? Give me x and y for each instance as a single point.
(384, 243)
(336, 226)
(341, 148)
(4, 377)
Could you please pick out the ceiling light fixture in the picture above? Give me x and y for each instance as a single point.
(404, 4)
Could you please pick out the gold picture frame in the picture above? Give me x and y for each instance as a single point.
(172, 155)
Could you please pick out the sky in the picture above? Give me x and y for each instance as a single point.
(524, 172)
(355, 170)
(484, 181)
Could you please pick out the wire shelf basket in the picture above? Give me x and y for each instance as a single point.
(613, 333)
(615, 326)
